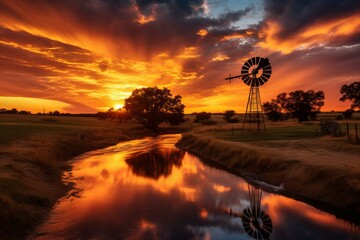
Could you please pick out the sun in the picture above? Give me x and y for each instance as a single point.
(117, 106)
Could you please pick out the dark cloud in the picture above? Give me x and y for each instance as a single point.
(174, 8)
(103, 66)
(295, 16)
(174, 26)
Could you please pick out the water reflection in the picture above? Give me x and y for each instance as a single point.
(156, 163)
(254, 220)
(179, 198)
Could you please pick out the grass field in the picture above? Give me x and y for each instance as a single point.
(21, 127)
(285, 130)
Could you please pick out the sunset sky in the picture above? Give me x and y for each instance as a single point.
(86, 56)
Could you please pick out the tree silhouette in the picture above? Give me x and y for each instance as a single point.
(156, 163)
(351, 92)
(202, 116)
(228, 114)
(348, 113)
(152, 106)
(272, 110)
(300, 104)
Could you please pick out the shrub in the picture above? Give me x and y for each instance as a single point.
(339, 117)
(348, 113)
(234, 120)
(208, 122)
(202, 116)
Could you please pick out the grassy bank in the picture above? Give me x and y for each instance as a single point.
(33, 155)
(323, 169)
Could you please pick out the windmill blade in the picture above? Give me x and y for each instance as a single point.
(249, 72)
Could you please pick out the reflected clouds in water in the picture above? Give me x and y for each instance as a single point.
(148, 189)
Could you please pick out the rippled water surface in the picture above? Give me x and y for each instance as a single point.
(149, 189)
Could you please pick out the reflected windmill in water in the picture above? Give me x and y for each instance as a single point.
(254, 220)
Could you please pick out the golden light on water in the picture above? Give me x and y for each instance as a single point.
(117, 194)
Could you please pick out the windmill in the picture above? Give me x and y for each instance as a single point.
(255, 221)
(255, 72)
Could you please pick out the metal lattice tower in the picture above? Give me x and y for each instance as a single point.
(255, 72)
(254, 119)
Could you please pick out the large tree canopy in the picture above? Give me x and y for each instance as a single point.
(351, 92)
(273, 110)
(152, 106)
(299, 103)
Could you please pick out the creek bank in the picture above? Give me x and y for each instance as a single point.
(31, 173)
(331, 188)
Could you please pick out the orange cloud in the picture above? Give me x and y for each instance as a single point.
(92, 55)
(202, 32)
(317, 34)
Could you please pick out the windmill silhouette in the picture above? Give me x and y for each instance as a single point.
(255, 72)
(255, 221)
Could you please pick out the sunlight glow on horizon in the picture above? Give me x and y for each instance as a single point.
(88, 65)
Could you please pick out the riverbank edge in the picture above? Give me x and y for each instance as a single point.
(49, 158)
(325, 188)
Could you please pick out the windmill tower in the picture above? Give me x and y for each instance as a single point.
(255, 72)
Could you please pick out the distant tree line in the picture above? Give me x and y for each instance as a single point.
(298, 104)
(118, 114)
(152, 106)
(51, 113)
(305, 105)
(13, 111)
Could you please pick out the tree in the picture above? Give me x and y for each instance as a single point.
(152, 106)
(272, 110)
(202, 116)
(23, 112)
(228, 115)
(351, 92)
(348, 113)
(301, 104)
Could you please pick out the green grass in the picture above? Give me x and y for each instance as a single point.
(20, 127)
(272, 133)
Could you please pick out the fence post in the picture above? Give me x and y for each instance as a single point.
(356, 134)
(232, 131)
(347, 130)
